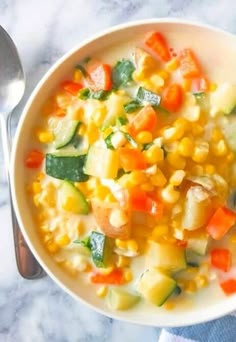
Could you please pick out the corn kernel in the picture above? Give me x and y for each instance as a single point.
(154, 154)
(216, 134)
(193, 114)
(45, 136)
(99, 115)
(197, 170)
(137, 177)
(197, 130)
(210, 169)
(190, 286)
(122, 261)
(121, 243)
(118, 218)
(128, 276)
(185, 147)
(172, 65)
(200, 152)
(175, 160)
(125, 182)
(36, 200)
(182, 123)
(160, 230)
(147, 187)
(158, 179)
(169, 194)
(144, 137)
(82, 129)
(233, 238)
(102, 291)
(110, 198)
(52, 247)
(156, 81)
(36, 187)
(186, 85)
(173, 133)
(101, 192)
(213, 86)
(63, 240)
(177, 177)
(219, 149)
(230, 157)
(40, 176)
(77, 75)
(169, 305)
(164, 74)
(201, 281)
(132, 245)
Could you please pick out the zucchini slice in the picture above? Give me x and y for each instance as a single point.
(65, 132)
(121, 300)
(71, 199)
(100, 248)
(66, 167)
(155, 286)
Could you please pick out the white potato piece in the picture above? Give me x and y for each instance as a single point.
(102, 213)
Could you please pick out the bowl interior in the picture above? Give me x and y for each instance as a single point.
(216, 49)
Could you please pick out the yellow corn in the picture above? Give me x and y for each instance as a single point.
(190, 286)
(70, 204)
(147, 187)
(170, 305)
(219, 149)
(154, 154)
(200, 152)
(233, 238)
(169, 194)
(197, 170)
(132, 245)
(99, 115)
(216, 134)
(44, 228)
(160, 230)
(197, 130)
(201, 281)
(144, 137)
(52, 247)
(137, 177)
(186, 85)
(175, 160)
(121, 243)
(107, 132)
(173, 64)
(77, 75)
(63, 240)
(210, 169)
(36, 200)
(185, 147)
(173, 133)
(101, 192)
(110, 198)
(177, 177)
(82, 129)
(230, 157)
(122, 261)
(164, 74)
(158, 179)
(128, 275)
(45, 136)
(102, 291)
(183, 124)
(36, 187)
(213, 86)
(40, 176)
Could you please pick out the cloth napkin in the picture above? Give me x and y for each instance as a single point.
(219, 330)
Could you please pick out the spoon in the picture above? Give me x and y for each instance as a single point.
(12, 87)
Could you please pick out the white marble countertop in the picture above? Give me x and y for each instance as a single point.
(43, 31)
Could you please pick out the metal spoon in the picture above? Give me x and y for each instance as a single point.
(12, 87)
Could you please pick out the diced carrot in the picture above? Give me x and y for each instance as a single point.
(189, 66)
(140, 201)
(115, 277)
(71, 87)
(99, 75)
(221, 258)
(59, 112)
(229, 286)
(221, 221)
(172, 98)
(144, 120)
(34, 159)
(157, 44)
(131, 159)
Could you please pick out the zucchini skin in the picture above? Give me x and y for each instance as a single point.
(68, 168)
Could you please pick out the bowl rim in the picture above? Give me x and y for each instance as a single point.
(165, 20)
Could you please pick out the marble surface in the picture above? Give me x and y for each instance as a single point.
(44, 30)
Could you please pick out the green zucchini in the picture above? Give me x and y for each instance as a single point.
(155, 286)
(100, 248)
(71, 199)
(66, 167)
(65, 132)
(122, 73)
(145, 96)
(119, 299)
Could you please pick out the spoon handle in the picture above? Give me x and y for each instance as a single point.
(27, 265)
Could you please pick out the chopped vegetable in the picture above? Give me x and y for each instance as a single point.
(65, 132)
(84, 94)
(157, 44)
(108, 141)
(34, 159)
(99, 75)
(72, 87)
(72, 200)
(221, 221)
(189, 67)
(100, 249)
(121, 299)
(116, 277)
(145, 96)
(229, 286)
(131, 159)
(122, 73)
(120, 121)
(172, 98)
(130, 139)
(132, 106)
(144, 120)
(82, 69)
(221, 258)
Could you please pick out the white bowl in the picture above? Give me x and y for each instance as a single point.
(217, 51)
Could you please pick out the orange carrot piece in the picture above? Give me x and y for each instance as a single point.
(157, 44)
(131, 159)
(221, 258)
(34, 159)
(189, 66)
(172, 98)
(229, 286)
(144, 120)
(99, 75)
